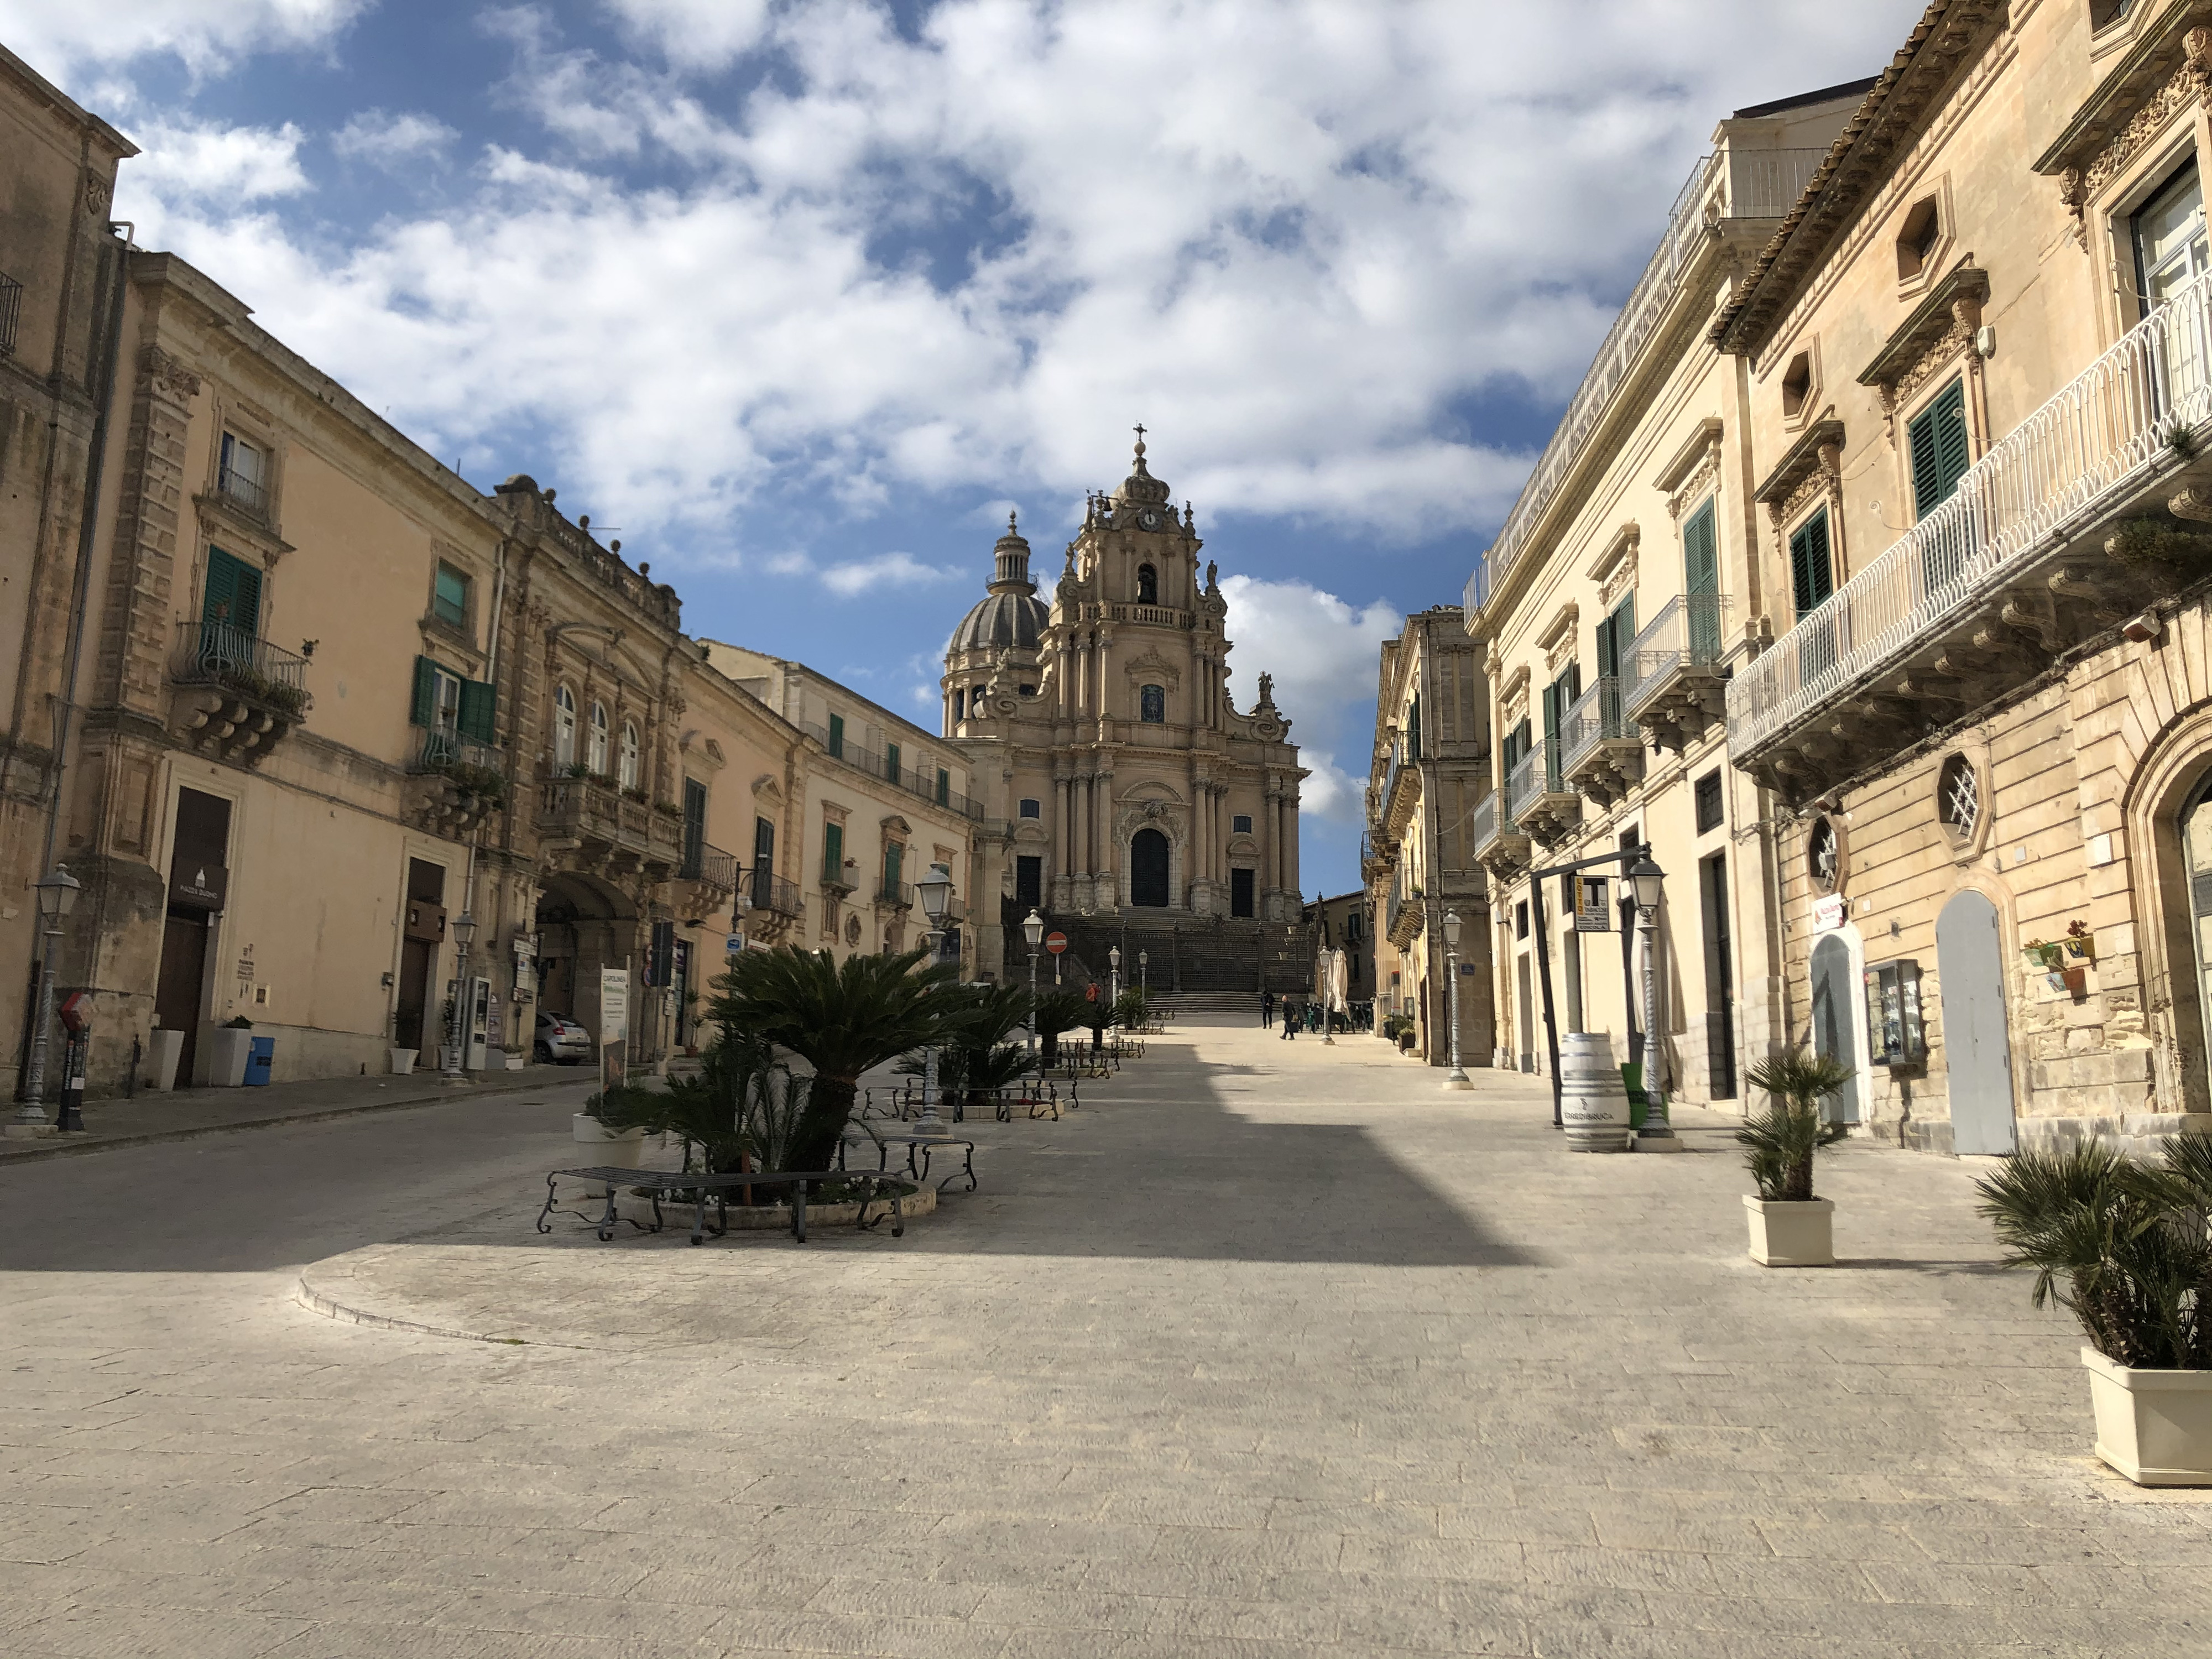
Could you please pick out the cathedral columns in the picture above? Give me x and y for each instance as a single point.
(1105, 704)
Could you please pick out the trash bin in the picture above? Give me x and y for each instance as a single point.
(259, 1060)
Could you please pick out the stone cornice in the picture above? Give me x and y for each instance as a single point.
(1804, 459)
(1951, 34)
(1957, 300)
(2143, 69)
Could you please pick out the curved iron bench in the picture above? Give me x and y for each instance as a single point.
(887, 1188)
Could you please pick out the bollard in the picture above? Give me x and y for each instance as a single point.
(1593, 1105)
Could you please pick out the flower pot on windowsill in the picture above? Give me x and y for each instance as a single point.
(1795, 1233)
(2154, 1426)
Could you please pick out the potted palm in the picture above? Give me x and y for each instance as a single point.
(2126, 1247)
(1790, 1227)
(1058, 1012)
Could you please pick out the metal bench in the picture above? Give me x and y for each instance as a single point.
(894, 1189)
(919, 1150)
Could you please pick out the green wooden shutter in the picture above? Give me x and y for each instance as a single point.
(425, 692)
(478, 699)
(891, 761)
(893, 854)
(695, 825)
(944, 787)
(233, 596)
(1811, 579)
(1940, 449)
(1701, 563)
(837, 736)
(833, 853)
(1413, 729)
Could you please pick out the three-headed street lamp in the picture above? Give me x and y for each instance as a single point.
(1033, 931)
(935, 890)
(57, 896)
(1457, 1077)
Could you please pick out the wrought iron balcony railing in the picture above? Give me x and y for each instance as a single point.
(913, 780)
(2051, 478)
(233, 658)
(249, 494)
(1523, 783)
(898, 894)
(440, 751)
(710, 866)
(1765, 184)
(1592, 719)
(773, 894)
(1685, 634)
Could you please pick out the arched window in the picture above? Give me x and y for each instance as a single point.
(629, 755)
(564, 727)
(959, 704)
(595, 740)
(1148, 584)
(1152, 704)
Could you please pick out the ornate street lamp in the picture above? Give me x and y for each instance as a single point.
(1656, 1135)
(465, 930)
(1457, 1077)
(1145, 971)
(57, 896)
(1113, 962)
(1033, 931)
(936, 893)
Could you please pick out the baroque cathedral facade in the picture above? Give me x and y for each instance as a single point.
(1100, 733)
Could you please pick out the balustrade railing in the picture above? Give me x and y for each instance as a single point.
(1685, 634)
(2104, 432)
(1591, 719)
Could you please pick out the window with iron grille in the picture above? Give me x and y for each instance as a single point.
(1958, 798)
(243, 477)
(1240, 824)
(1032, 808)
(1824, 856)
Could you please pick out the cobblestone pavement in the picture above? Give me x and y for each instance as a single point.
(1271, 1351)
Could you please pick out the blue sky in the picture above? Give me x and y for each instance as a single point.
(804, 295)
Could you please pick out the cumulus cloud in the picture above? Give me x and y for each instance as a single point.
(193, 169)
(856, 576)
(385, 139)
(797, 248)
(64, 42)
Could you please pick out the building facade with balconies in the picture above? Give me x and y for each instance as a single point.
(1613, 605)
(1429, 777)
(1981, 387)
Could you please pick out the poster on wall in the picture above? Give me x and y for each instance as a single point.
(1592, 914)
(614, 1026)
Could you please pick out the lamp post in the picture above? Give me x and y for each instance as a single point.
(465, 930)
(1114, 980)
(1457, 1077)
(1656, 1135)
(1143, 971)
(1033, 931)
(936, 892)
(57, 893)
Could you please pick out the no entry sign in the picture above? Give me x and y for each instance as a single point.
(1055, 943)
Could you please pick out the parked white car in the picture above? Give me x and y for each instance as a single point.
(560, 1040)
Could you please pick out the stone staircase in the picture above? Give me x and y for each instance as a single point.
(1190, 955)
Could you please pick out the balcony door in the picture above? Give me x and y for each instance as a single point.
(1701, 580)
(2170, 238)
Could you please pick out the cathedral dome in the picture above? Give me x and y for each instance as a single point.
(1002, 621)
(1010, 616)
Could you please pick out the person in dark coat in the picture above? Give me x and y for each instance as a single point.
(1267, 1009)
(1290, 1020)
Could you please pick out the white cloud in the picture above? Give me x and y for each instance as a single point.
(210, 169)
(1323, 655)
(885, 570)
(386, 140)
(64, 41)
(1301, 240)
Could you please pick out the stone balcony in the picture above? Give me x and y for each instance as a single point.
(1537, 797)
(2024, 567)
(1601, 750)
(237, 695)
(1674, 685)
(1497, 843)
(592, 827)
(454, 785)
(706, 882)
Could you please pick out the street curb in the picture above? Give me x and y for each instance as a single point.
(315, 1302)
(40, 1150)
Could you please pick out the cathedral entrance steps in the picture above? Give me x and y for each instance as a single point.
(1188, 954)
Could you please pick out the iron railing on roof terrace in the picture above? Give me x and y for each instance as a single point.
(911, 779)
(1765, 184)
(2102, 435)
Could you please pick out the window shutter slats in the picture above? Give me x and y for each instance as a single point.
(479, 700)
(425, 692)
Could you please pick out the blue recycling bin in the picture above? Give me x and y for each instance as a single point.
(261, 1056)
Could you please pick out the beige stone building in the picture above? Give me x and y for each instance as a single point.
(1125, 794)
(1620, 594)
(1346, 923)
(877, 800)
(1429, 775)
(1977, 372)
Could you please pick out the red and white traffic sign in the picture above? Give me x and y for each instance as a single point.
(1055, 943)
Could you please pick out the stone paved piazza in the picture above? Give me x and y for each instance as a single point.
(1271, 1351)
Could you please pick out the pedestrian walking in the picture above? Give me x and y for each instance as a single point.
(1267, 1009)
(1290, 1020)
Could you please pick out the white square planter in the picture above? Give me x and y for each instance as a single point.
(1800, 1234)
(227, 1048)
(2155, 1427)
(618, 1149)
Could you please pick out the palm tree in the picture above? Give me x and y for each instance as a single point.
(1778, 1148)
(2128, 1240)
(842, 1018)
(1058, 1012)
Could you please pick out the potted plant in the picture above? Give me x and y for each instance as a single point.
(229, 1046)
(2126, 1247)
(1790, 1227)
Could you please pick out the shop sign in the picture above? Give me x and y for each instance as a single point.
(614, 1004)
(198, 886)
(1593, 912)
(1828, 913)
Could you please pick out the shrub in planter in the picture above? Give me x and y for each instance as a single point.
(2126, 1247)
(1790, 1227)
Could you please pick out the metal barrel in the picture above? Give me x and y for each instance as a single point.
(1593, 1103)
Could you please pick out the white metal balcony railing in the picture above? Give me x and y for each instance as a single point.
(1765, 184)
(1685, 634)
(1530, 778)
(1590, 720)
(2105, 430)
(1484, 825)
